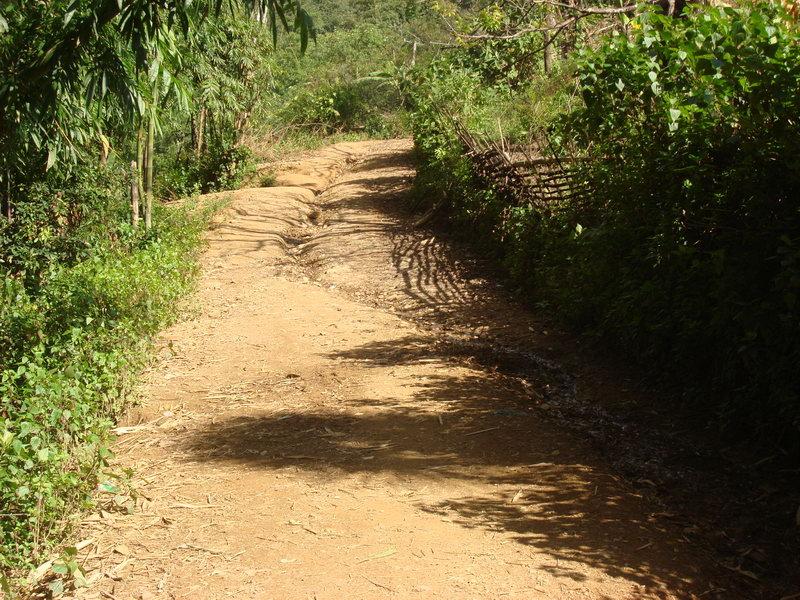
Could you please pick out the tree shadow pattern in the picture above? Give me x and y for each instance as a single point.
(743, 513)
(535, 481)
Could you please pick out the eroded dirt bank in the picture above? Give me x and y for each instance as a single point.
(309, 434)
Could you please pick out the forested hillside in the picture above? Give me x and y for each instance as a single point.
(631, 171)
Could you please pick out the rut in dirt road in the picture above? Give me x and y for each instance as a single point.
(306, 435)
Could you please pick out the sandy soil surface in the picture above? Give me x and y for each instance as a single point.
(306, 434)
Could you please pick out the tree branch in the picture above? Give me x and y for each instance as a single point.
(557, 28)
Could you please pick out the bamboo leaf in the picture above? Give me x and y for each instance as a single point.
(52, 155)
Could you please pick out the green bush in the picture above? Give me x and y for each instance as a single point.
(225, 168)
(687, 253)
(503, 61)
(361, 105)
(72, 337)
(61, 219)
(219, 168)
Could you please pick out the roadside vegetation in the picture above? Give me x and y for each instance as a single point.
(681, 130)
(100, 119)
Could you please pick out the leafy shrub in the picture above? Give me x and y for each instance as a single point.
(221, 167)
(312, 109)
(331, 90)
(690, 243)
(686, 254)
(61, 219)
(225, 168)
(176, 175)
(346, 106)
(501, 60)
(72, 336)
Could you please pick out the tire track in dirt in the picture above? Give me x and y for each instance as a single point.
(301, 437)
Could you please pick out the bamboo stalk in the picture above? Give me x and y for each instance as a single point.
(199, 141)
(134, 195)
(140, 145)
(148, 198)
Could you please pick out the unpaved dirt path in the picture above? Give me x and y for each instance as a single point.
(305, 436)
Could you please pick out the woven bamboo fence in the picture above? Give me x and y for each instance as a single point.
(522, 174)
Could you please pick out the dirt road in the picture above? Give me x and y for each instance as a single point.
(306, 434)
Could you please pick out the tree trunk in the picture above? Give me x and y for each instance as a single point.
(8, 212)
(240, 125)
(135, 184)
(148, 182)
(193, 128)
(549, 40)
(140, 156)
(569, 36)
(199, 131)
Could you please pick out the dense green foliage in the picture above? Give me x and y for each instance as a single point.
(82, 294)
(76, 71)
(251, 94)
(690, 249)
(352, 80)
(343, 95)
(686, 253)
(333, 15)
